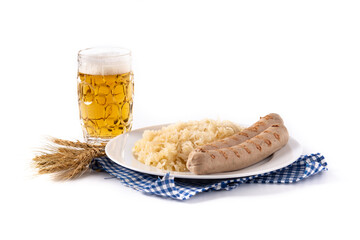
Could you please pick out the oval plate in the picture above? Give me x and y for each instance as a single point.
(119, 150)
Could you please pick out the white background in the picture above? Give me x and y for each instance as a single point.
(235, 60)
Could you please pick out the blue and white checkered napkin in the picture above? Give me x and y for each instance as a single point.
(182, 189)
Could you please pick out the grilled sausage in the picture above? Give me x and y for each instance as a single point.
(246, 134)
(239, 156)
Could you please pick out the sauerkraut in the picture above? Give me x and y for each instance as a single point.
(169, 147)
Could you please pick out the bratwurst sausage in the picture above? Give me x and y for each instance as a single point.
(245, 134)
(239, 156)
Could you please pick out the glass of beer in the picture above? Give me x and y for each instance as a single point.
(105, 92)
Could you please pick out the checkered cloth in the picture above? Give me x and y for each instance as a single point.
(182, 189)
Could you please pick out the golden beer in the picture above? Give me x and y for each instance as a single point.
(105, 96)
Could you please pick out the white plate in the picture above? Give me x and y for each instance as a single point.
(119, 150)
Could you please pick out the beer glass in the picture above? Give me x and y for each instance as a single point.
(105, 92)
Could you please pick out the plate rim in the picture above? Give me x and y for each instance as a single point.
(189, 175)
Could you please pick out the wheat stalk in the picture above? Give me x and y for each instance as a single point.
(66, 159)
(76, 144)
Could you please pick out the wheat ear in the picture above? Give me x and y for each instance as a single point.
(66, 159)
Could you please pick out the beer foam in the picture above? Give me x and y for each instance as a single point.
(104, 61)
